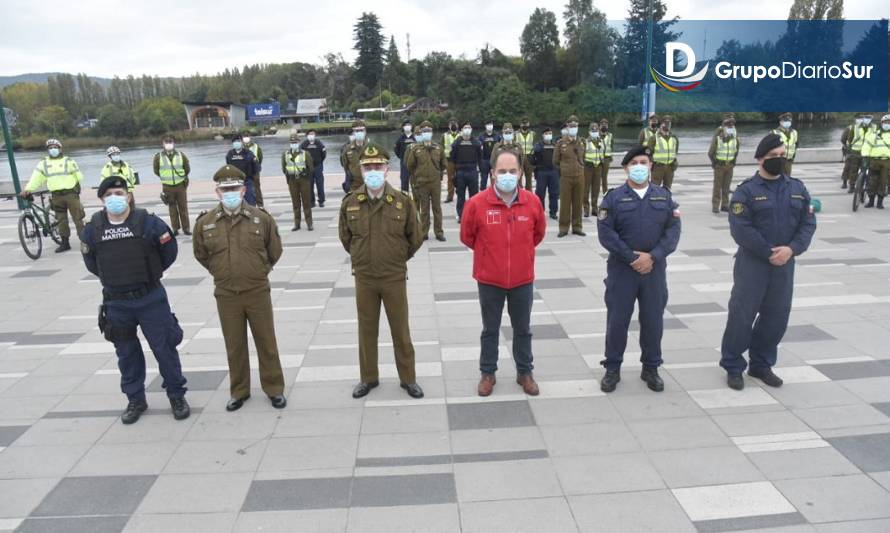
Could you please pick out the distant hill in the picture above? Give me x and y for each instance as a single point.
(40, 77)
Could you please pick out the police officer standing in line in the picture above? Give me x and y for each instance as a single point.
(172, 167)
(546, 175)
(664, 146)
(772, 221)
(448, 139)
(569, 159)
(789, 139)
(129, 250)
(380, 232)
(639, 224)
(247, 163)
(116, 166)
(239, 244)
(489, 138)
(852, 141)
(876, 159)
(350, 156)
(526, 139)
(608, 144)
(426, 161)
(62, 178)
(298, 166)
(594, 152)
(347, 177)
(647, 133)
(406, 139)
(723, 151)
(258, 153)
(466, 152)
(319, 152)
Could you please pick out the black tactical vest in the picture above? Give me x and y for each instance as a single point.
(467, 152)
(125, 257)
(547, 156)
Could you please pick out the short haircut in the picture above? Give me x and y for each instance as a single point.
(507, 152)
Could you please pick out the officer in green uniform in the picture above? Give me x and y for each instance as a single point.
(258, 153)
(648, 133)
(525, 137)
(608, 143)
(297, 166)
(789, 139)
(426, 161)
(239, 244)
(448, 139)
(569, 159)
(350, 156)
(594, 154)
(852, 141)
(62, 177)
(116, 166)
(172, 167)
(876, 159)
(723, 152)
(379, 228)
(664, 146)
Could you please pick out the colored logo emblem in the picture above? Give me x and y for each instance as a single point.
(683, 80)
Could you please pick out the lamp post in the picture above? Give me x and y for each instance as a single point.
(10, 155)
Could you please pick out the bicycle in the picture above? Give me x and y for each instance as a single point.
(860, 188)
(36, 222)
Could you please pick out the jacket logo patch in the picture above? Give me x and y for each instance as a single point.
(165, 238)
(361, 197)
(389, 198)
(738, 208)
(522, 218)
(603, 214)
(493, 216)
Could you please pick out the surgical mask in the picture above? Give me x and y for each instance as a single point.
(231, 200)
(507, 182)
(54, 152)
(563, 132)
(310, 137)
(168, 147)
(638, 174)
(246, 140)
(594, 134)
(548, 137)
(116, 158)
(508, 137)
(730, 131)
(295, 147)
(407, 129)
(359, 136)
(785, 124)
(858, 121)
(885, 126)
(489, 128)
(866, 121)
(237, 145)
(352, 138)
(573, 131)
(116, 205)
(374, 179)
(466, 132)
(426, 136)
(774, 166)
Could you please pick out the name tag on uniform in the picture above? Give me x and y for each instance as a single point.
(760, 198)
(493, 216)
(626, 200)
(353, 208)
(658, 198)
(209, 226)
(798, 196)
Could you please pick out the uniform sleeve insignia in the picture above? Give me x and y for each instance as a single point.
(84, 248)
(256, 220)
(603, 214)
(165, 237)
(361, 197)
(389, 198)
(738, 208)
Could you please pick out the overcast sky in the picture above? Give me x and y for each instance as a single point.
(175, 37)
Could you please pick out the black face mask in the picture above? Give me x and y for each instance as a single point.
(453, 128)
(774, 166)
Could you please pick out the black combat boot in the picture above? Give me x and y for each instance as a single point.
(180, 407)
(610, 380)
(64, 247)
(134, 410)
(871, 201)
(880, 202)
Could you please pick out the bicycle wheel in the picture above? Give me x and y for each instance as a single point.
(54, 232)
(857, 196)
(29, 236)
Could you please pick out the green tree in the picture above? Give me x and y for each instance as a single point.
(26, 100)
(632, 46)
(816, 10)
(155, 116)
(589, 55)
(369, 45)
(54, 120)
(116, 121)
(538, 45)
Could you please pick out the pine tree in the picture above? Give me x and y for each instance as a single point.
(369, 44)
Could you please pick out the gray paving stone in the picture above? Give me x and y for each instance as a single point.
(833, 499)
(34, 273)
(704, 252)
(385, 491)
(343, 292)
(684, 309)
(88, 524)
(490, 415)
(50, 338)
(855, 370)
(297, 494)
(842, 240)
(871, 453)
(208, 380)
(182, 282)
(539, 331)
(750, 522)
(806, 333)
(83, 496)
(883, 407)
(559, 283)
(8, 434)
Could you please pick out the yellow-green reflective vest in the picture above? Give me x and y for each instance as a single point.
(665, 150)
(527, 141)
(59, 174)
(726, 150)
(593, 154)
(172, 172)
(789, 140)
(294, 165)
(859, 135)
(648, 133)
(448, 138)
(124, 171)
(877, 145)
(607, 144)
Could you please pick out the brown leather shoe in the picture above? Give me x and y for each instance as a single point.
(486, 385)
(528, 384)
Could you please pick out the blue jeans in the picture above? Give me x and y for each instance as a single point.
(623, 288)
(519, 307)
(249, 194)
(485, 169)
(163, 334)
(547, 181)
(318, 182)
(465, 179)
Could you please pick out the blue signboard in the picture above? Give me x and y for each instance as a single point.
(261, 112)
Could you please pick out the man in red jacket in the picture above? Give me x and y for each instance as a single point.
(503, 225)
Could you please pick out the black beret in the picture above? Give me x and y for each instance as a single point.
(766, 144)
(634, 152)
(112, 182)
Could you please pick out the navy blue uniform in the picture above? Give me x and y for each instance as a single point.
(319, 153)
(467, 157)
(247, 163)
(546, 175)
(487, 141)
(133, 295)
(402, 146)
(627, 223)
(763, 214)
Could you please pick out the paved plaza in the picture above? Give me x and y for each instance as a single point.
(812, 456)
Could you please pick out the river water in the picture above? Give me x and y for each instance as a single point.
(207, 156)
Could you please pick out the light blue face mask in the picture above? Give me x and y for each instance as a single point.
(638, 174)
(231, 200)
(295, 147)
(507, 182)
(237, 145)
(573, 131)
(359, 136)
(508, 137)
(116, 205)
(785, 124)
(730, 131)
(375, 179)
(116, 158)
(54, 152)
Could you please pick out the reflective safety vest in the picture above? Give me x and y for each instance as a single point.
(293, 166)
(877, 145)
(648, 133)
(665, 150)
(789, 140)
(59, 174)
(255, 148)
(607, 144)
(727, 150)
(527, 141)
(172, 172)
(593, 154)
(123, 170)
(859, 135)
(448, 139)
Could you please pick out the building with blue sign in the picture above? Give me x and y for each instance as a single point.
(215, 115)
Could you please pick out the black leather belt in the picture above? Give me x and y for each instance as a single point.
(128, 295)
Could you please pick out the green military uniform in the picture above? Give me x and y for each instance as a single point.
(876, 154)
(381, 235)
(526, 141)
(448, 139)
(297, 168)
(258, 153)
(568, 157)
(723, 152)
(594, 155)
(426, 161)
(789, 139)
(62, 177)
(239, 249)
(608, 144)
(664, 146)
(173, 169)
(852, 141)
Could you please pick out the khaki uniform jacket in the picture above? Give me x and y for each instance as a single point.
(380, 236)
(426, 162)
(239, 250)
(569, 157)
(349, 160)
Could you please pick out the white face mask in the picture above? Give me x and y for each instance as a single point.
(407, 129)
(866, 121)
(489, 128)
(467, 132)
(594, 134)
(885, 126)
(310, 137)
(548, 137)
(168, 147)
(246, 140)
